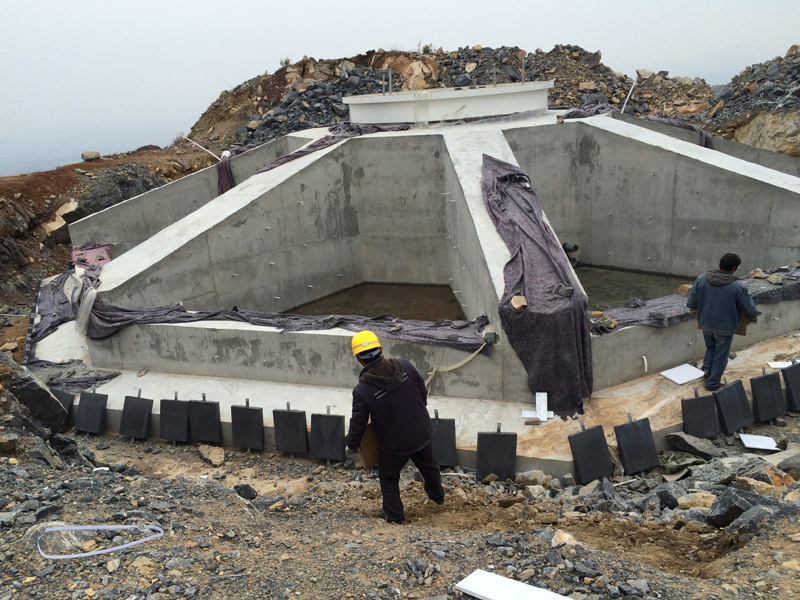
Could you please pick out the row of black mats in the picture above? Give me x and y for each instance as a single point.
(724, 410)
(199, 421)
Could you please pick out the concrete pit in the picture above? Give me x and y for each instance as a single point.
(407, 207)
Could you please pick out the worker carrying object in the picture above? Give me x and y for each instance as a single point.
(392, 394)
(719, 298)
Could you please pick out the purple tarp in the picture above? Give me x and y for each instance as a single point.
(550, 335)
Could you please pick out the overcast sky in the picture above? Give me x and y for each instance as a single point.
(115, 75)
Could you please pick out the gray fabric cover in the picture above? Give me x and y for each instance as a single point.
(550, 335)
(706, 140)
(668, 310)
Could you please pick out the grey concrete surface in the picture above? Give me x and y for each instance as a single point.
(766, 158)
(636, 199)
(408, 207)
(131, 222)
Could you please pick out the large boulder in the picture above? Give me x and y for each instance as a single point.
(733, 503)
(779, 132)
(35, 395)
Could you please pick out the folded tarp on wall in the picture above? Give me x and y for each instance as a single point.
(551, 334)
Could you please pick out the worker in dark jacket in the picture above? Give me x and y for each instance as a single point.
(719, 298)
(392, 394)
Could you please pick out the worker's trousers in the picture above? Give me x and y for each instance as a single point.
(389, 467)
(718, 347)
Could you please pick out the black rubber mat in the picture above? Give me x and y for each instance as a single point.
(768, 400)
(291, 431)
(590, 455)
(91, 414)
(174, 421)
(733, 408)
(497, 453)
(135, 421)
(637, 448)
(327, 437)
(247, 427)
(700, 417)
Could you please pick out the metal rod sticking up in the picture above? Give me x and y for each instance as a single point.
(624, 104)
(201, 148)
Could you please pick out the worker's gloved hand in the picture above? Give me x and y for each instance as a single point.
(692, 312)
(351, 455)
(752, 320)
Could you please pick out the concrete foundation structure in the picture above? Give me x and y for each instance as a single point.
(407, 207)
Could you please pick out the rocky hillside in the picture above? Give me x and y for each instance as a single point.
(760, 106)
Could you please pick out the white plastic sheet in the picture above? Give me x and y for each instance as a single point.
(489, 586)
(682, 374)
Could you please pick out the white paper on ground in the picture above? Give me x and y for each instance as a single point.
(682, 374)
(541, 406)
(779, 364)
(758, 442)
(489, 586)
(529, 414)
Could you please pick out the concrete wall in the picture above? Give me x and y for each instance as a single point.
(617, 357)
(131, 222)
(396, 183)
(638, 204)
(767, 158)
(552, 158)
(241, 350)
(350, 214)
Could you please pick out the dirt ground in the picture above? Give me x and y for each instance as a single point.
(700, 553)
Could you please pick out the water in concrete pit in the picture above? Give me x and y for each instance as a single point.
(609, 288)
(420, 302)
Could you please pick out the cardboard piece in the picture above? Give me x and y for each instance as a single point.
(733, 408)
(682, 374)
(247, 427)
(91, 414)
(667, 477)
(497, 453)
(135, 421)
(590, 455)
(791, 379)
(700, 417)
(370, 447)
(768, 400)
(204, 422)
(327, 437)
(444, 442)
(637, 448)
(742, 330)
(490, 586)
(758, 442)
(291, 431)
(174, 420)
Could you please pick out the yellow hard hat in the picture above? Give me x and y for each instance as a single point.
(364, 341)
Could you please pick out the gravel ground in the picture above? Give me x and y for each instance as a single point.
(314, 530)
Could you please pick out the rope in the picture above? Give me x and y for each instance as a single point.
(440, 369)
(158, 533)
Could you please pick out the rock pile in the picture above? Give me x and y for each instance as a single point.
(309, 93)
(312, 103)
(760, 106)
(260, 525)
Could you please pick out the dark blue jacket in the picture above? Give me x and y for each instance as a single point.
(392, 394)
(719, 297)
